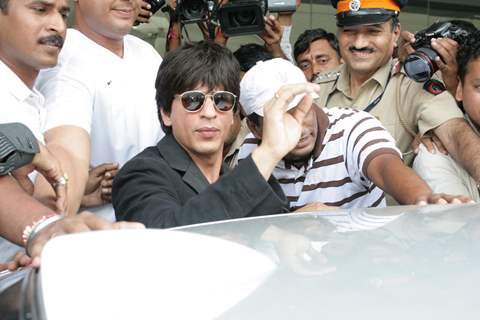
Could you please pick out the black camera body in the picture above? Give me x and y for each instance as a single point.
(241, 17)
(420, 65)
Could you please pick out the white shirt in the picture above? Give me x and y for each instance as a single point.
(111, 98)
(20, 104)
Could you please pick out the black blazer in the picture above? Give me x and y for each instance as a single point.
(162, 187)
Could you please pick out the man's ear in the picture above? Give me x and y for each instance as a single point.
(396, 33)
(459, 92)
(257, 132)
(167, 121)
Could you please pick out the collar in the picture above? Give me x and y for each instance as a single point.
(15, 85)
(179, 160)
(380, 76)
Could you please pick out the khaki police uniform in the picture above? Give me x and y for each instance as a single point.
(405, 108)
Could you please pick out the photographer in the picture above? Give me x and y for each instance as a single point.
(440, 171)
(372, 81)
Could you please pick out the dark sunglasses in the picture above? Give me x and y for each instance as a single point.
(194, 100)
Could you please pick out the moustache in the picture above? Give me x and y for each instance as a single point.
(366, 49)
(53, 40)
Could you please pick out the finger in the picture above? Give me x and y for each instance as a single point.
(107, 198)
(288, 92)
(301, 110)
(23, 180)
(107, 183)
(61, 201)
(439, 145)
(128, 225)
(446, 52)
(110, 174)
(106, 191)
(102, 169)
(427, 142)
(93, 222)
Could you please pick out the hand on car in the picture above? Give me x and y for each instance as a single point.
(98, 190)
(48, 166)
(82, 222)
(315, 206)
(442, 198)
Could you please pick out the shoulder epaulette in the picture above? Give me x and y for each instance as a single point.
(397, 67)
(327, 77)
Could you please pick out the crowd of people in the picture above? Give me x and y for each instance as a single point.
(94, 119)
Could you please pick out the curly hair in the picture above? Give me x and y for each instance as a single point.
(469, 51)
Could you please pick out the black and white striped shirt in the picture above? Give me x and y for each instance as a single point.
(338, 175)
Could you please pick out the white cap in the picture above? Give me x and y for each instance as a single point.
(263, 80)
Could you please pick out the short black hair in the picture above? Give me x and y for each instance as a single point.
(249, 54)
(308, 36)
(468, 52)
(4, 6)
(192, 64)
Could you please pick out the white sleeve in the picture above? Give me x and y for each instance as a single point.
(69, 99)
(285, 43)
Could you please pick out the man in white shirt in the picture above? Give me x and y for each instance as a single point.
(31, 36)
(101, 95)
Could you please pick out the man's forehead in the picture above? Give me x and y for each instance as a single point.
(52, 3)
(365, 26)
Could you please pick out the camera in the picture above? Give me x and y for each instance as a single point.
(241, 17)
(155, 5)
(191, 11)
(420, 65)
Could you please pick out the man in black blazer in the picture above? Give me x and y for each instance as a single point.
(182, 180)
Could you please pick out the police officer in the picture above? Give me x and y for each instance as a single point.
(371, 80)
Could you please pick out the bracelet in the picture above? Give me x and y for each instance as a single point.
(33, 229)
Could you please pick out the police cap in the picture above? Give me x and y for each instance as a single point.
(358, 12)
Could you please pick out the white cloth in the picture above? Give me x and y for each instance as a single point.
(444, 175)
(264, 79)
(337, 175)
(285, 42)
(20, 104)
(112, 98)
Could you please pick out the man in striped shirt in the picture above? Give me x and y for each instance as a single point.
(345, 157)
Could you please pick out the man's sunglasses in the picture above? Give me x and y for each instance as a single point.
(194, 100)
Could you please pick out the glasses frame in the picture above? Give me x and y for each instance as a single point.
(206, 95)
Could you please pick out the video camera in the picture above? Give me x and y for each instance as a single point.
(238, 17)
(420, 65)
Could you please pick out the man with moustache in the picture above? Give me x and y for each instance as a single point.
(100, 98)
(370, 80)
(31, 36)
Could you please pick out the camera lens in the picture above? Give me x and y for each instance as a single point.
(194, 9)
(244, 18)
(420, 65)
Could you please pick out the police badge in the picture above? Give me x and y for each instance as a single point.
(355, 5)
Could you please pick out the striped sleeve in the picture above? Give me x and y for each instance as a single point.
(249, 144)
(366, 139)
